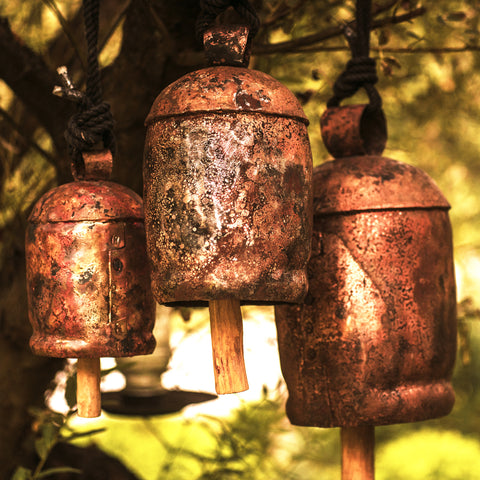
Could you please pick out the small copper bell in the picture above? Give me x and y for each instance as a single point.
(375, 342)
(87, 272)
(227, 175)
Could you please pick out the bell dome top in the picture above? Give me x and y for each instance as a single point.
(226, 89)
(371, 182)
(87, 201)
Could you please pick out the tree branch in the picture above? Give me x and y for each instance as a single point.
(66, 29)
(293, 46)
(281, 12)
(31, 143)
(400, 50)
(32, 81)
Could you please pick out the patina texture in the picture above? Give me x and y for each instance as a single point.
(375, 342)
(227, 178)
(87, 273)
(226, 89)
(354, 130)
(227, 45)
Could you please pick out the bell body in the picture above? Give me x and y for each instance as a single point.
(375, 342)
(227, 179)
(87, 273)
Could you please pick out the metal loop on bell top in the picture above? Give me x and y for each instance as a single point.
(227, 45)
(95, 165)
(353, 130)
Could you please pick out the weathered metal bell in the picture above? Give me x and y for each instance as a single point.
(375, 342)
(227, 178)
(88, 278)
(227, 189)
(87, 273)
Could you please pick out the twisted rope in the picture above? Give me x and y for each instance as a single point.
(360, 71)
(91, 127)
(90, 17)
(210, 9)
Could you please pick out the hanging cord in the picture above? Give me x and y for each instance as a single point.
(210, 9)
(360, 71)
(91, 128)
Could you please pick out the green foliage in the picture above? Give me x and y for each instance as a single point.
(51, 428)
(255, 442)
(430, 455)
(37, 22)
(22, 473)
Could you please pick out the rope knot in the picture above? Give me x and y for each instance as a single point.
(359, 72)
(90, 128)
(210, 9)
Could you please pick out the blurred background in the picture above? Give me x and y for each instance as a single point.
(428, 59)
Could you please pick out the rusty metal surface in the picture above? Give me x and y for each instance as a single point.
(227, 189)
(87, 273)
(375, 343)
(226, 89)
(373, 183)
(227, 45)
(228, 207)
(87, 201)
(95, 166)
(353, 130)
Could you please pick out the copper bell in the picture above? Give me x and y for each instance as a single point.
(227, 175)
(375, 342)
(87, 272)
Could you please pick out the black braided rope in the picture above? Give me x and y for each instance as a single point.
(210, 9)
(91, 20)
(360, 71)
(91, 127)
(87, 129)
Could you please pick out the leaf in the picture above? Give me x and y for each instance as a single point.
(49, 434)
(22, 473)
(53, 471)
(71, 391)
(414, 35)
(383, 37)
(471, 31)
(76, 435)
(36, 412)
(41, 448)
(392, 61)
(107, 371)
(388, 64)
(456, 16)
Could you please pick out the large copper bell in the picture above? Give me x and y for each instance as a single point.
(227, 175)
(375, 343)
(227, 169)
(87, 272)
